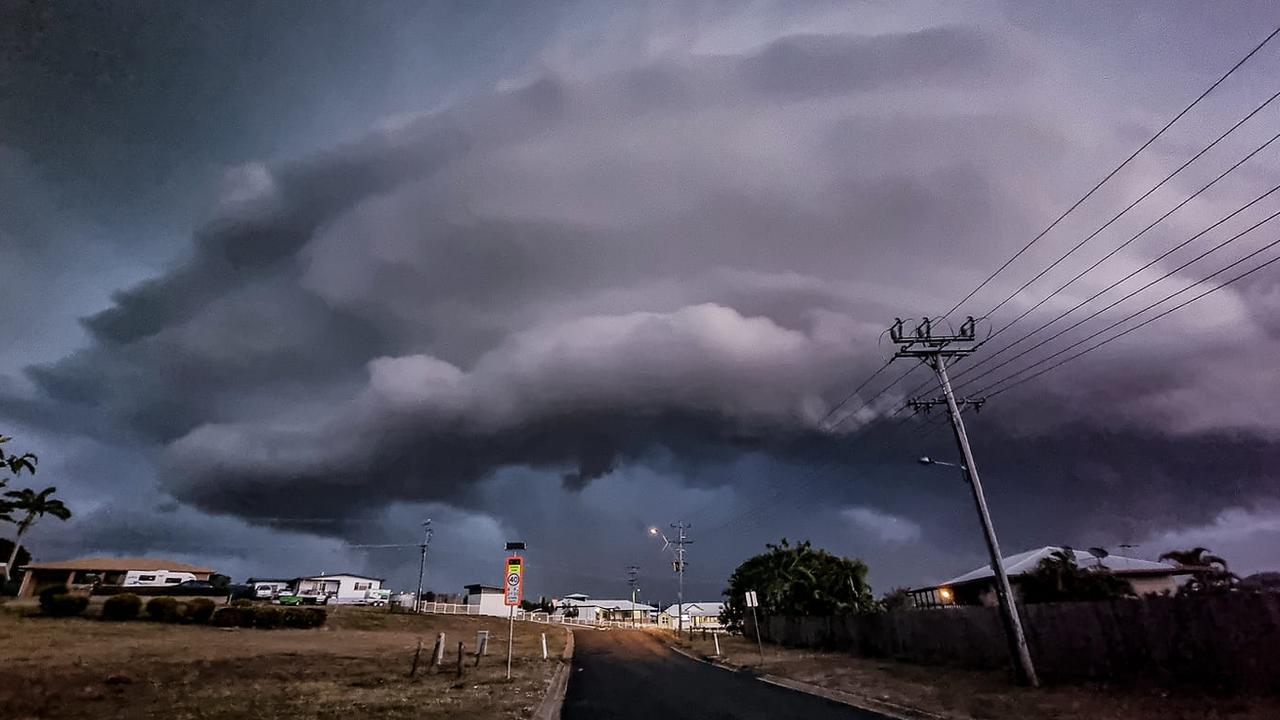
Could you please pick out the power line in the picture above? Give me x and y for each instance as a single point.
(1148, 321)
(1111, 174)
(1131, 294)
(1251, 255)
(1102, 292)
(1133, 204)
(1117, 249)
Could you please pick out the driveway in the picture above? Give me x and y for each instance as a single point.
(632, 674)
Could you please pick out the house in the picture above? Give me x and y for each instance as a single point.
(977, 587)
(488, 599)
(697, 616)
(87, 572)
(588, 610)
(342, 588)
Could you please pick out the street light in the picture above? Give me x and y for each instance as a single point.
(926, 460)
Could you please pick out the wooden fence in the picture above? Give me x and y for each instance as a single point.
(1228, 641)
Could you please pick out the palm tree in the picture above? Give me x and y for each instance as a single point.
(32, 505)
(1194, 558)
(1209, 572)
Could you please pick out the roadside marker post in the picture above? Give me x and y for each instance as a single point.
(513, 593)
(752, 602)
(716, 637)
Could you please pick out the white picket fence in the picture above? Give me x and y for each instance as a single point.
(538, 617)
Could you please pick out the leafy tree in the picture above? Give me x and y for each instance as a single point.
(800, 581)
(22, 507)
(896, 599)
(543, 605)
(1209, 572)
(27, 506)
(1058, 578)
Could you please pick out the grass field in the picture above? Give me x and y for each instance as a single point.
(355, 667)
(954, 692)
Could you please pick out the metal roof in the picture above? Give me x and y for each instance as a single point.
(698, 609)
(1025, 562)
(120, 564)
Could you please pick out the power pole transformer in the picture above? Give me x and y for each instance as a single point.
(935, 350)
(633, 579)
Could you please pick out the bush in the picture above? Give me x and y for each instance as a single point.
(199, 610)
(267, 617)
(122, 607)
(166, 609)
(241, 603)
(227, 617)
(57, 602)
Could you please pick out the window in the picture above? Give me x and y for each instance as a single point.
(363, 586)
(146, 578)
(172, 581)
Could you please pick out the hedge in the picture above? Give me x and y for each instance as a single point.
(199, 610)
(56, 601)
(121, 607)
(269, 617)
(166, 609)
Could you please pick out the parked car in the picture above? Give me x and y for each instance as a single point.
(303, 599)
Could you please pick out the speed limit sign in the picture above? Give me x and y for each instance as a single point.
(513, 589)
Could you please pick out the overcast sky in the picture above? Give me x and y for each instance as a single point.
(285, 280)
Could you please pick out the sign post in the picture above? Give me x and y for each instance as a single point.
(753, 602)
(512, 594)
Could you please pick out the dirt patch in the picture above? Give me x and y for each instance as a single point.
(982, 695)
(356, 666)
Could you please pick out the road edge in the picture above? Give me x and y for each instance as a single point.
(553, 702)
(861, 702)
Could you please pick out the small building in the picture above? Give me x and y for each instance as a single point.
(977, 587)
(488, 599)
(95, 571)
(697, 616)
(584, 608)
(342, 588)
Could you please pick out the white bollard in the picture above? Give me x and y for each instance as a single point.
(716, 637)
(544, 646)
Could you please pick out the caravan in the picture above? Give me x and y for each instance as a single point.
(155, 578)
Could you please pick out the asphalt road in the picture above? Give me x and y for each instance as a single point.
(629, 674)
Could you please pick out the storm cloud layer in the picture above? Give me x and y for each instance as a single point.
(626, 258)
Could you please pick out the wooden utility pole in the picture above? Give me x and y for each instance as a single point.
(934, 350)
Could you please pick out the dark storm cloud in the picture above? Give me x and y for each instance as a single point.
(660, 267)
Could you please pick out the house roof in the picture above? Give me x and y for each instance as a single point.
(477, 587)
(570, 601)
(120, 564)
(327, 576)
(1025, 562)
(701, 609)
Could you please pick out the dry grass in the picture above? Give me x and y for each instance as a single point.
(982, 695)
(357, 666)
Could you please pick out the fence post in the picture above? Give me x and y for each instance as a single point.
(461, 649)
(413, 669)
(437, 654)
(544, 646)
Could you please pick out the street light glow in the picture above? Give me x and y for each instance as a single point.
(653, 531)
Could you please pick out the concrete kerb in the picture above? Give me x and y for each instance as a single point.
(553, 701)
(861, 702)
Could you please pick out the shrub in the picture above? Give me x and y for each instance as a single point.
(227, 617)
(315, 617)
(199, 610)
(241, 603)
(57, 602)
(297, 617)
(122, 607)
(166, 609)
(268, 617)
